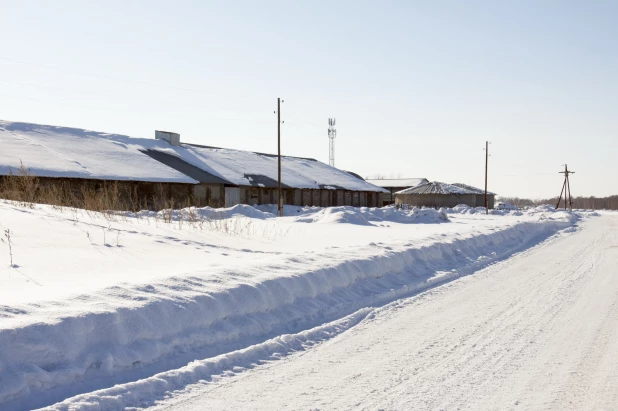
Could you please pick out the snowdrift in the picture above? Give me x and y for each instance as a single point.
(323, 215)
(359, 216)
(53, 350)
(207, 213)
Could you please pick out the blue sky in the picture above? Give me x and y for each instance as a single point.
(416, 87)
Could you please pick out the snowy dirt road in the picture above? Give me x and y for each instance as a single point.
(538, 331)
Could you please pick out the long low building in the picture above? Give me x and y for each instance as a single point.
(80, 160)
(436, 194)
(393, 185)
(251, 178)
(480, 195)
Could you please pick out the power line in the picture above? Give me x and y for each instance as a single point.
(144, 83)
(123, 111)
(526, 175)
(59, 102)
(168, 103)
(295, 119)
(294, 103)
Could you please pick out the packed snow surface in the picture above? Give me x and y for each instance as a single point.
(538, 331)
(94, 300)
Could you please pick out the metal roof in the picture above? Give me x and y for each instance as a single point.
(248, 168)
(50, 151)
(397, 182)
(436, 188)
(476, 190)
(355, 175)
(185, 168)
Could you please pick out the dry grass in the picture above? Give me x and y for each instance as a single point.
(116, 203)
(28, 190)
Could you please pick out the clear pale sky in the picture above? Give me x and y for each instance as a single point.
(416, 87)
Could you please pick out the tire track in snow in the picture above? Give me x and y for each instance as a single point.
(535, 332)
(120, 397)
(482, 347)
(141, 393)
(229, 319)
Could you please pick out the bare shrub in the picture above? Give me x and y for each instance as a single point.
(20, 187)
(108, 197)
(7, 234)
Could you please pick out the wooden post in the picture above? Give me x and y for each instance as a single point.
(569, 188)
(566, 188)
(560, 196)
(486, 163)
(565, 185)
(279, 201)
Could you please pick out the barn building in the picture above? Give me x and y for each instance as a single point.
(436, 194)
(77, 167)
(162, 172)
(236, 176)
(480, 195)
(393, 185)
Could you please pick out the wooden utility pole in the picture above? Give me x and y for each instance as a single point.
(569, 188)
(279, 199)
(560, 197)
(566, 189)
(486, 164)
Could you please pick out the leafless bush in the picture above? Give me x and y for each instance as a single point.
(116, 201)
(7, 234)
(107, 197)
(20, 187)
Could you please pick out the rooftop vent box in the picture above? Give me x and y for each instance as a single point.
(172, 138)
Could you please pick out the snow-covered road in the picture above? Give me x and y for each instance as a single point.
(538, 331)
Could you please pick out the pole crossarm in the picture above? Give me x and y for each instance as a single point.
(566, 189)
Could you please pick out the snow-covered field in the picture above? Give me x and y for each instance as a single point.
(538, 331)
(151, 303)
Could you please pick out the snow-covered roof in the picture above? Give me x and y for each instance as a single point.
(436, 187)
(50, 151)
(247, 168)
(476, 190)
(397, 182)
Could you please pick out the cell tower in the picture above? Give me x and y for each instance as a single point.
(332, 133)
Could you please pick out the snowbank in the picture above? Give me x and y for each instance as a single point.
(466, 209)
(358, 216)
(324, 215)
(207, 213)
(56, 349)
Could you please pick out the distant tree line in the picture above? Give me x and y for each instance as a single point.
(595, 203)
